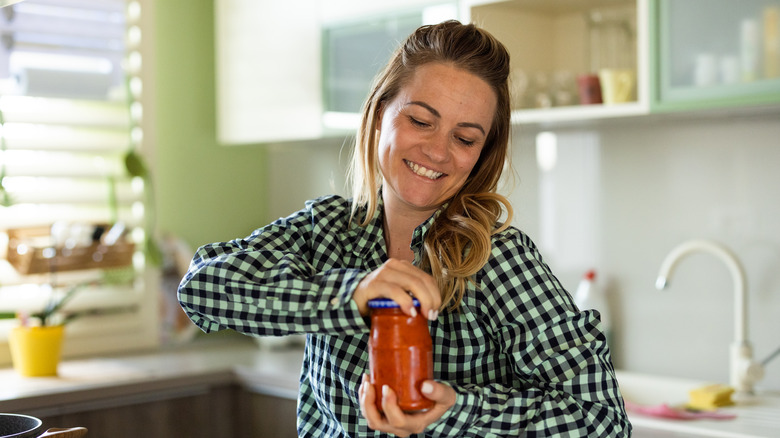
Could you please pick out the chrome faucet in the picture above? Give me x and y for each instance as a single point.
(744, 371)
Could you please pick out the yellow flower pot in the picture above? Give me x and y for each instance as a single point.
(35, 351)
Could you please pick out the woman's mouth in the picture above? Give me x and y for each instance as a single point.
(423, 171)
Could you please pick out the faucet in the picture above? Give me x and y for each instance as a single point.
(744, 372)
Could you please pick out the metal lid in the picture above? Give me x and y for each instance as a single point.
(387, 303)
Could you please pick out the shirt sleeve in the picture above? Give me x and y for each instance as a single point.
(563, 380)
(266, 284)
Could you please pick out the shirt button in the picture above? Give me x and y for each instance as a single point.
(335, 301)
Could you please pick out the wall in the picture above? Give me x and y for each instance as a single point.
(204, 192)
(662, 181)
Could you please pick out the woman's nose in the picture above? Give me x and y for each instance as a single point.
(437, 147)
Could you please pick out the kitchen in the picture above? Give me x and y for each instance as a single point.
(651, 182)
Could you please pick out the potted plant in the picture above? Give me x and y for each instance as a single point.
(36, 343)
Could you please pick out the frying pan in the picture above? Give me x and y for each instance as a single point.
(25, 426)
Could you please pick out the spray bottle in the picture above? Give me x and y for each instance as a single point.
(590, 296)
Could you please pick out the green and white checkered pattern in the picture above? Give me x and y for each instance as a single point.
(521, 357)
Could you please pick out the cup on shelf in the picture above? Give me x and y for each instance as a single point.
(617, 85)
(705, 71)
(589, 89)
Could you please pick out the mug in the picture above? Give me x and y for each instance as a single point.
(589, 88)
(617, 85)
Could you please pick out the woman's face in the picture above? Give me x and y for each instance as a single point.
(431, 136)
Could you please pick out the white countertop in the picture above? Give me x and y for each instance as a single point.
(184, 369)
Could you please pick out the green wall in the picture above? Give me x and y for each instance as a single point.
(204, 192)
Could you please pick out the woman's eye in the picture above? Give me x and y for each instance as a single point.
(418, 122)
(465, 141)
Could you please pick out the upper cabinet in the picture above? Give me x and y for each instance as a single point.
(715, 53)
(571, 59)
(268, 79)
(300, 69)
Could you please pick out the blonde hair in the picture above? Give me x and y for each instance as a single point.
(458, 243)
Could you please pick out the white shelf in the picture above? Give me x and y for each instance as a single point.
(578, 113)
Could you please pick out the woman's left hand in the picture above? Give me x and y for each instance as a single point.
(395, 420)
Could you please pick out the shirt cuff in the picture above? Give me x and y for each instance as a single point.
(340, 313)
(462, 415)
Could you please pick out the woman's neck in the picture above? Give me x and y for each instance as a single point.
(399, 225)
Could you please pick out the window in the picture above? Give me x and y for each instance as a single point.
(71, 107)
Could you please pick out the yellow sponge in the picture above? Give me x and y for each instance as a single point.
(710, 397)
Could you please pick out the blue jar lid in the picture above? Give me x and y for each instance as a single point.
(387, 303)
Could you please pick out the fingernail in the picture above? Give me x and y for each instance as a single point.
(427, 388)
(413, 312)
(433, 314)
(385, 390)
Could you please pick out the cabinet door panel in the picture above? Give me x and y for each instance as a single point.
(716, 53)
(267, 71)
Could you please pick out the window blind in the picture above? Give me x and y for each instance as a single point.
(70, 112)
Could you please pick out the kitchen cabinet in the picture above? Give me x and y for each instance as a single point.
(269, 64)
(264, 415)
(555, 43)
(195, 412)
(268, 81)
(674, 55)
(715, 53)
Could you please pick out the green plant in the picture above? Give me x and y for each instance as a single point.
(55, 305)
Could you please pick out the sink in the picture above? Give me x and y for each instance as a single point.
(757, 416)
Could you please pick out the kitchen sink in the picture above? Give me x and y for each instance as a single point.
(755, 416)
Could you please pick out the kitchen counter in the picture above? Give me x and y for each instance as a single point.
(179, 371)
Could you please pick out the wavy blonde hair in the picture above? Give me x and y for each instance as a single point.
(459, 242)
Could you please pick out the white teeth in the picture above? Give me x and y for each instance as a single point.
(422, 171)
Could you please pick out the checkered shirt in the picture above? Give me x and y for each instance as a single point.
(520, 356)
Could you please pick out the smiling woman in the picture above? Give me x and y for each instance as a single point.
(511, 354)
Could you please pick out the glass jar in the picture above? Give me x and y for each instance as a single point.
(400, 354)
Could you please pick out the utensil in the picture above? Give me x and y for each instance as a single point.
(70, 432)
(19, 426)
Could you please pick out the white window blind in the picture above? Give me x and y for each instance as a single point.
(70, 112)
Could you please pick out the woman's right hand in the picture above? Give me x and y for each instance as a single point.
(395, 280)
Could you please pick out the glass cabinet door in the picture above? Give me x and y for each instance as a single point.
(715, 53)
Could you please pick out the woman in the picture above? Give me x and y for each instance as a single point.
(513, 355)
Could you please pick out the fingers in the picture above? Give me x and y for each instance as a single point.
(395, 280)
(441, 393)
(393, 419)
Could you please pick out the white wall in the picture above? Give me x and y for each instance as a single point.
(663, 181)
(622, 195)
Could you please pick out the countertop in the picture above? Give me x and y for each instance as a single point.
(197, 367)
(182, 370)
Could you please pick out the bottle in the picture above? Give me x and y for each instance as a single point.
(772, 42)
(590, 296)
(749, 49)
(400, 353)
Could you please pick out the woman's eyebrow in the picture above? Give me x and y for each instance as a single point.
(437, 115)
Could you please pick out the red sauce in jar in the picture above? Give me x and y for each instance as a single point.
(400, 354)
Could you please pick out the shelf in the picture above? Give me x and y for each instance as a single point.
(578, 113)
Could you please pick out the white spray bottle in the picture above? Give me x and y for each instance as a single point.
(590, 296)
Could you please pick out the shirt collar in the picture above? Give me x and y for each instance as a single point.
(418, 236)
(367, 242)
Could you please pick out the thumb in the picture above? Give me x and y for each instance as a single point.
(438, 392)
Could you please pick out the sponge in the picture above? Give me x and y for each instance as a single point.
(710, 397)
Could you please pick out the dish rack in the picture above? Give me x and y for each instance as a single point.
(30, 251)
